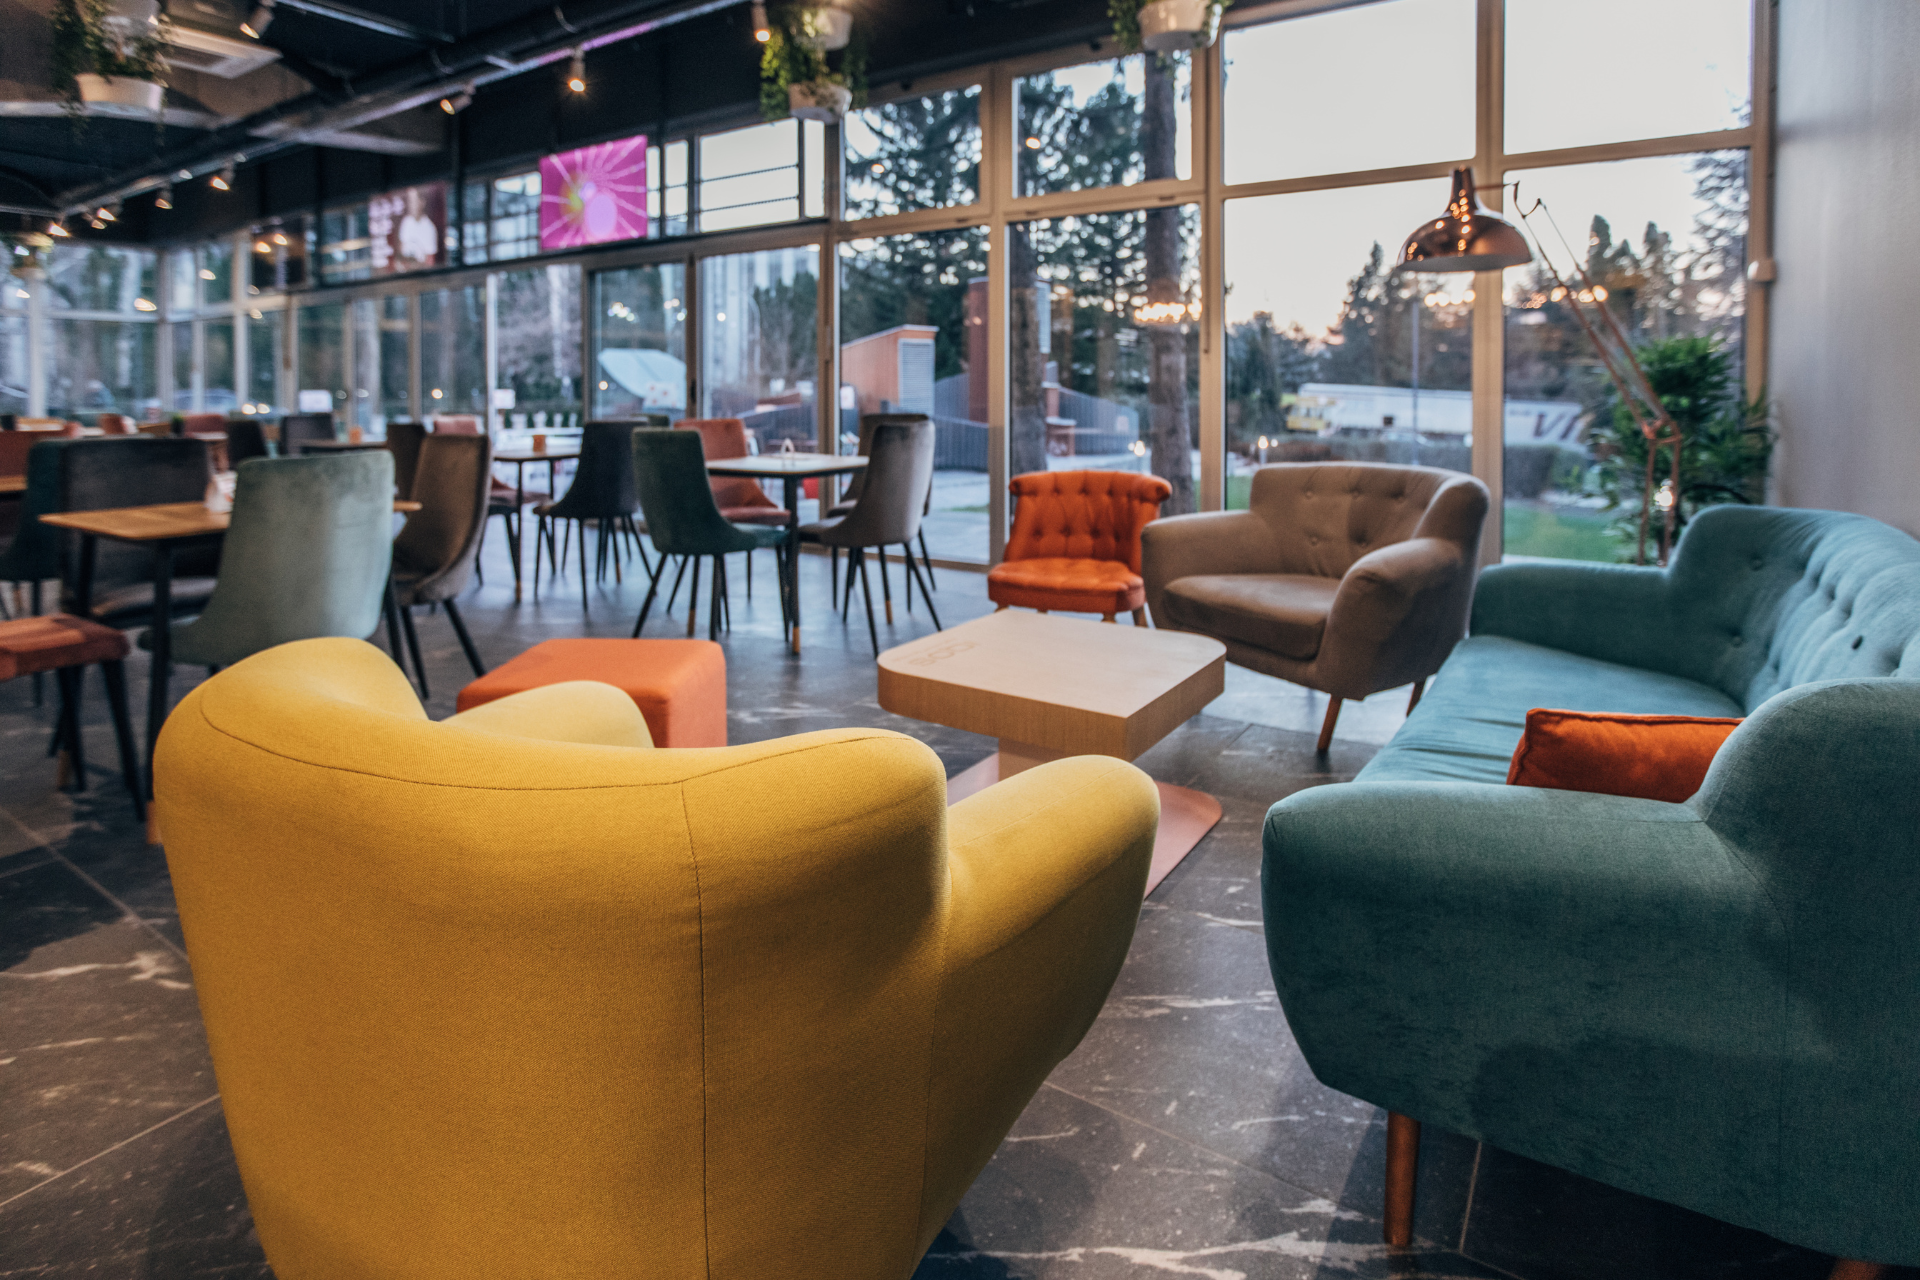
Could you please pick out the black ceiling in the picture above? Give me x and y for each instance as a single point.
(697, 72)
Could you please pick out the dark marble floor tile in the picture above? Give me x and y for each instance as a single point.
(1077, 1191)
(1260, 699)
(101, 1037)
(1220, 879)
(1268, 764)
(1548, 1224)
(165, 1206)
(1185, 756)
(1192, 1042)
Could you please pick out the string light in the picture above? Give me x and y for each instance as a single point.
(165, 199)
(577, 73)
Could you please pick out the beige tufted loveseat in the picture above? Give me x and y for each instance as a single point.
(1346, 577)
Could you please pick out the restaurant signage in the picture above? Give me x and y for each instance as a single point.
(408, 228)
(595, 194)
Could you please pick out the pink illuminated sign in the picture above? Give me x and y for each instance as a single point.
(594, 194)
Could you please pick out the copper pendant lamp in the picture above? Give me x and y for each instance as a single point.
(1465, 238)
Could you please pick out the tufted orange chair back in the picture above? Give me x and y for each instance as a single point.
(1083, 515)
(727, 438)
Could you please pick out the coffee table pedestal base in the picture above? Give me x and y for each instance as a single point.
(1186, 815)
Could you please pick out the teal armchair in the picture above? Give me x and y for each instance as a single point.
(1714, 1003)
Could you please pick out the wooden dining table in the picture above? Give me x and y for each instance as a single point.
(790, 469)
(164, 527)
(519, 458)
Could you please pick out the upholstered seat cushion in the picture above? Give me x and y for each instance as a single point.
(1074, 586)
(57, 640)
(756, 515)
(680, 686)
(1283, 612)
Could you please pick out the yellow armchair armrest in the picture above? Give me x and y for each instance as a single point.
(579, 711)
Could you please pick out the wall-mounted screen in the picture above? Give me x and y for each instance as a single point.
(594, 194)
(407, 228)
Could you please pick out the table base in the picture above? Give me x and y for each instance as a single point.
(1186, 815)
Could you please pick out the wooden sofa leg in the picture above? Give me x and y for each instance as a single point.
(1106, 617)
(1413, 700)
(1403, 1161)
(1851, 1269)
(1326, 726)
(1140, 616)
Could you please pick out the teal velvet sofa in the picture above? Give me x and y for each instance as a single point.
(1714, 1003)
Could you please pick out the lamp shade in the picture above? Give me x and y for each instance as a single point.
(1464, 238)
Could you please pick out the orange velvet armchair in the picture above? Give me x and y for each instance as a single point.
(1076, 543)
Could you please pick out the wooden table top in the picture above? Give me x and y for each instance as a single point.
(771, 465)
(13, 484)
(1063, 684)
(158, 522)
(527, 455)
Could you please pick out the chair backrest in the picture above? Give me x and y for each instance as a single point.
(298, 428)
(524, 955)
(403, 442)
(893, 495)
(602, 485)
(1323, 516)
(306, 554)
(246, 438)
(441, 540)
(670, 474)
(1083, 515)
(869, 423)
(192, 422)
(129, 471)
(455, 424)
(727, 438)
(115, 424)
(13, 451)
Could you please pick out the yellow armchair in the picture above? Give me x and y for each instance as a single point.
(517, 995)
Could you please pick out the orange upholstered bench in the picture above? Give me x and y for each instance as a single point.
(680, 686)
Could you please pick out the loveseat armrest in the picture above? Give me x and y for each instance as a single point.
(1208, 542)
(1592, 981)
(1396, 616)
(1614, 612)
(1048, 869)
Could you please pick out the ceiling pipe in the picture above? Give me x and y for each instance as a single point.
(510, 49)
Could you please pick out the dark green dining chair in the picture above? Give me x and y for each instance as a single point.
(670, 476)
(434, 555)
(602, 495)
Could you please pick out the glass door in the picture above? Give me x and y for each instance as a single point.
(640, 342)
(758, 321)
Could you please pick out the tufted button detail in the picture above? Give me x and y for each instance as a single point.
(1736, 641)
(1758, 562)
(1313, 539)
(1856, 642)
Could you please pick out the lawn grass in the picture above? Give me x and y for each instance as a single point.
(1561, 533)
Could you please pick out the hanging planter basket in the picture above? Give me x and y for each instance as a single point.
(821, 100)
(1173, 26)
(120, 91)
(824, 29)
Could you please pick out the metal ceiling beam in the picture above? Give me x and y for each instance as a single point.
(523, 45)
(368, 21)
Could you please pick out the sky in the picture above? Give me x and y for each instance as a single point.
(1388, 84)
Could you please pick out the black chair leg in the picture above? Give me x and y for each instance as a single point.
(116, 677)
(913, 570)
(693, 596)
(886, 587)
(866, 593)
(749, 577)
(413, 647)
(639, 544)
(39, 684)
(74, 762)
(726, 591)
(716, 592)
(646, 606)
(926, 559)
(679, 574)
(466, 641)
(854, 561)
(906, 585)
(480, 552)
(583, 566)
(833, 570)
(392, 610)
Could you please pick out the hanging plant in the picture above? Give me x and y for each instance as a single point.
(1165, 26)
(109, 51)
(799, 78)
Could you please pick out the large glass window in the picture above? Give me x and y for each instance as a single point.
(753, 175)
(759, 317)
(13, 362)
(1104, 124)
(217, 391)
(514, 225)
(98, 277)
(266, 347)
(346, 246)
(323, 358)
(917, 153)
(453, 367)
(102, 366)
(1687, 65)
(182, 281)
(382, 363)
(537, 345)
(1663, 241)
(1105, 368)
(913, 339)
(1333, 355)
(667, 189)
(1305, 97)
(181, 334)
(640, 342)
(216, 273)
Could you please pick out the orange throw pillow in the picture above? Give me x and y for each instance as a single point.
(1652, 757)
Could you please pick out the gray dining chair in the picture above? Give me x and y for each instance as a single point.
(296, 429)
(869, 422)
(307, 554)
(434, 555)
(892, 500)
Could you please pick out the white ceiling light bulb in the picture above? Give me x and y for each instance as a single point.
(454, 103)
(577, 72)
(223, 180)
(58, 227)
(164, 200)
(761, 31)
(256, 23)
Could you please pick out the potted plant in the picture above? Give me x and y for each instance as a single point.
(110, 52)
(1165, 26)
(798, 79)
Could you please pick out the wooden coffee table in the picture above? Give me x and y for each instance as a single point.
(1051, 687)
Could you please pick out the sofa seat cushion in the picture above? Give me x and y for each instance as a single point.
(1285, 613)
(1473, 715)
(1066, 584)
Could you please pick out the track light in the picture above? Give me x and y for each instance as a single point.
(577, 73)
(58, 227)
(761, 31)
(164, 198)
(223, 180)
(96, 223)
(454, 103)
(256, 23)
(109, 212)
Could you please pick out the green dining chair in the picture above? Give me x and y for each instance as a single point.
(670, 476)
(306, 555)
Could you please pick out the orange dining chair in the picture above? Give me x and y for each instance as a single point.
(1075, 545)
